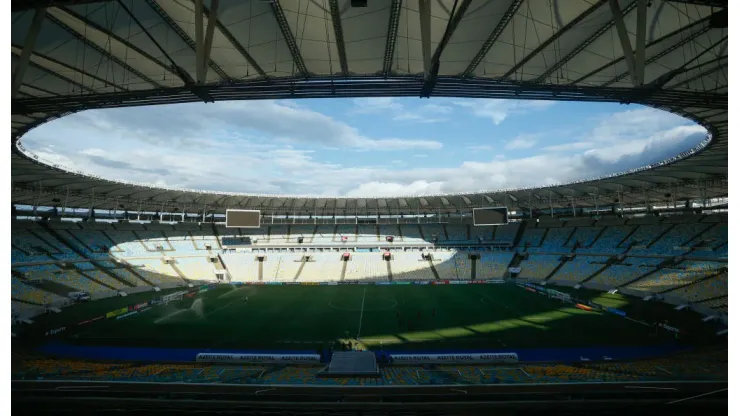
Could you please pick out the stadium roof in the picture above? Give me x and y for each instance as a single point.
(72, 55)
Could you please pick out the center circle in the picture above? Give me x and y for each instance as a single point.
(371, 305)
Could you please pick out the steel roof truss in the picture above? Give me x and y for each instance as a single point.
(555, 36)
(483, 51)
(28, 46)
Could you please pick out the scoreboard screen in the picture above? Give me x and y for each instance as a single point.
(242, 218)
(490, 216)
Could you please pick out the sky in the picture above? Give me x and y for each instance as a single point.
(365, 147)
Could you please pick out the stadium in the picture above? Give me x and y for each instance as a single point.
(606, 294)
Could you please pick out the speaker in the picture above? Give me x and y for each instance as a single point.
(300, 240)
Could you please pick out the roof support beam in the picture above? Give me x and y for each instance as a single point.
(203, 45)
(654, 42)
(277, 11)
(15, 49)
(578, 49)
(455, 18)
(505, 19)
(425, 25)
(184, 36)
(391, 36)
(104, 52)
(238, 46)
(90, 24)
(668, 76)
(63, 78)
(701, 75)
(661, 54)
(28, 47)
(199, 49)
(336, 21)
(624, 40)
(640, 41)
(554, 37)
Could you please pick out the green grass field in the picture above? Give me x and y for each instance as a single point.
(401, 317)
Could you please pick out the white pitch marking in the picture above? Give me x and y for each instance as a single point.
(362, 310)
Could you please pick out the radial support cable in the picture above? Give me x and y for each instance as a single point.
(184, 36)
(15, 49)
(104, 52)
(583, 45)
(180, 72)
(483, 51)
(701, 75)
(336, 21)
(63, 78)
(234, 42)
(668, 76)
(456, 16)
(661, 54)
(282, 21)
(28, 46)
(391, 36)
(554, 37)
(649, 45)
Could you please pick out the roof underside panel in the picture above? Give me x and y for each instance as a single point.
(528, 29)
(223, 53)
(663, 20)
(254, 26)
(111, 19)
(87, 52)
(365, 31)
(311, 25)
(476, 25)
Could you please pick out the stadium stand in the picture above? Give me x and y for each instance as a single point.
(579, 269)
(493, 265)
(411, 234)
(305, 231)
(532, 237)
(609, 240)
(584, 236)
(289, 264)
(27, 293)
(617, 275)
(410, 266)
(348, 231)
(506, 233)
(460, 233)
(241, 267)
(670, 278)
(323, 267)
(706, 289)
(554, 241)
(324, 234)
(367, 233)
(539, 266)
(366, 266)
(445, 263)
(196, 268)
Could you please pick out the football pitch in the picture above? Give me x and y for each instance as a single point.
(394, 317)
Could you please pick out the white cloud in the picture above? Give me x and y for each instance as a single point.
(500, 110)
(524, 141)
(427, 113)
(228, 148)
(480, 147)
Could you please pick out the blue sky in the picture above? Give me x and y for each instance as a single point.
(363, 147)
